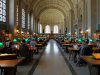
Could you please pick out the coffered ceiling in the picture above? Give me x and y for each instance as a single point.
(51, 10)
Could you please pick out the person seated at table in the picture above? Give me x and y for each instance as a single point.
(87, 40)
(84, 50)
(41, 40)
(98, 44)
(4, 50)
(23, 48)
(67, 41)
(9, 50)
(62, 40)
(72, 41)
(33, 43)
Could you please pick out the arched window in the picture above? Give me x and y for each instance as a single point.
(47, 29)
(40, 28)
(28, 22)
(17, 15)
(23, 18)
(3, 10)
(55, 29)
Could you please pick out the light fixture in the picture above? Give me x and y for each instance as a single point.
(7, 39)
(22, 32)
(75, 32)
(14, 40)
(80, 31)
(87, 30)
(1, 44)
(17, 30)
(34, 33)
(18, 38)
(28, 32)
(69, 33)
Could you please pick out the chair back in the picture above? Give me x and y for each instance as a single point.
(23, 51)
(9, 51)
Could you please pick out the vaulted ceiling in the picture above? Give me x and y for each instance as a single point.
(51, 10)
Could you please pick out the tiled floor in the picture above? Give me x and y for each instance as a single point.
(52, 62)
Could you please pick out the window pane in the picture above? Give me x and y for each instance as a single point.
(0, 10)
(3, 10)
(47, 29)
(0, 4)
(4, 6)
(0, 17)
(23, 18)
(55, 29)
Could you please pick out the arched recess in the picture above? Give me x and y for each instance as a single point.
(51, 16)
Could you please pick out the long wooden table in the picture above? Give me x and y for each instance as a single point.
(31, 49)
(10, 66)
(74, 52)
(92, 63)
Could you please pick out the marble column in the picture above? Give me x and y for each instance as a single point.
(20, 18)
(71, 21)
(83, 19)
(91, 15)
(26, 19)
(32, 22)
(12, 18)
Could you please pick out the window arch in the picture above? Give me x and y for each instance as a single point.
(47, 29)
(40, 28)
(3, 10)
(55, 29)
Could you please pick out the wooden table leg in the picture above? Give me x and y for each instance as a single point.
(93, 70)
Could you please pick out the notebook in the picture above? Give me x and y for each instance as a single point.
(96, 55)
(75, 46)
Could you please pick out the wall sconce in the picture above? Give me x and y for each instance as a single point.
(28, 32)
(34, 33)
(22, 32)
(80, 31)
(87, 30)
(75, 32)
(17, 31)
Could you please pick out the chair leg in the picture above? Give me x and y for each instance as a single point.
(1, 71)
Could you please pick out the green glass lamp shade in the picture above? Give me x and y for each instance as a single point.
(28, 37)
(67, 37)
(76, 39)
(14, 40)
(96, 39)
(26, 40)
(79, 40)
(70, 38)
(33, 38)
(7, 39)
(90, 40)
(1, 44)
(84, 38)
(18, 38)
